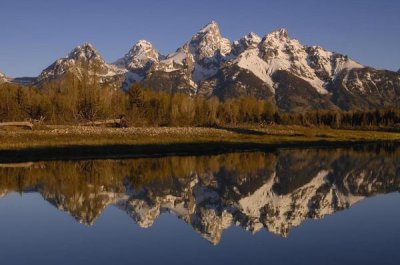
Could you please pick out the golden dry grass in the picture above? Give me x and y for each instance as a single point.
(63, 136)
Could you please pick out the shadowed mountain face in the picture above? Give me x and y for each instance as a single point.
(274, 191)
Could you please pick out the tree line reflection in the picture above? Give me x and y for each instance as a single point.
(273, 190)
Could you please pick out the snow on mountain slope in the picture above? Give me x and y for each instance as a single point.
(140, 56)
(277, 52)
(250, 60)
(208, 41)
(281, 53)
(176, 61)
(197, 60)
(251, 40)
(4, 78)
(209, 50)
(138, 61)
(80, 61)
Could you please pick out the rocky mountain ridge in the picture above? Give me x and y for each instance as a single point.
(295, 76)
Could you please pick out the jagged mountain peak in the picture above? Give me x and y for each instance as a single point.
(206, 32)
(251, 40)
(212, 26)
(280, 34)
(398, 71)
(83, 59)
(141, 55)
(141, 45)
(86, 51)
(206, 42)
(252, 37)
(277, 38)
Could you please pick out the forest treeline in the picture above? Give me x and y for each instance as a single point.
(72, 101)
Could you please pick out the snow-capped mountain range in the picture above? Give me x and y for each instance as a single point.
(293, 75)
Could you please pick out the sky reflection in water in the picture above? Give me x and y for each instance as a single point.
(287, 206)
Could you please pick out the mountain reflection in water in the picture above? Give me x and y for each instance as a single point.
(274, 190)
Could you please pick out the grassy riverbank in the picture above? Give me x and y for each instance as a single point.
(68, 136)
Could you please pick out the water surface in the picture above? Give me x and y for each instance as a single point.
(289, 206)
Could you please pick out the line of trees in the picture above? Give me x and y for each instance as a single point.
(72, 100)
(363, 119)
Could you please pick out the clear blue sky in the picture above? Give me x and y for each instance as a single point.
(36, 32)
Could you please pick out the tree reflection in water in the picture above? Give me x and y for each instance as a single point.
(274, 190)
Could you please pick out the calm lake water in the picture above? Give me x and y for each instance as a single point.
(287, 206)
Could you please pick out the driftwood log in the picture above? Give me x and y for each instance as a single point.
(109, 123)
(24, 124)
